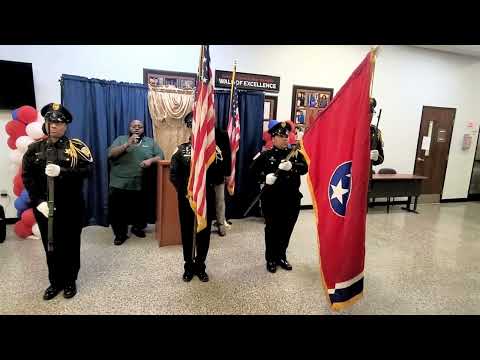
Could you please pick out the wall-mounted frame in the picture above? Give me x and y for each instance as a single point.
(269, 110)
(307, 102)
(179, 80)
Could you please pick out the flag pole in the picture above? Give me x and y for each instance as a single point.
(194, 238)
(231, 87)
(373, 59)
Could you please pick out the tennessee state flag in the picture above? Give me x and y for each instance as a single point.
(337, 149)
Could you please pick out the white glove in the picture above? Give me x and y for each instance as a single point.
(43, 208)
(374, 155)
(52, 170)
(285, 166)
(270, 179)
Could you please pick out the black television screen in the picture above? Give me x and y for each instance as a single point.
(16, 85)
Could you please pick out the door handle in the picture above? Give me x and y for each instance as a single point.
(420, 159)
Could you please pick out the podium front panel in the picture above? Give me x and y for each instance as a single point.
(168, 222)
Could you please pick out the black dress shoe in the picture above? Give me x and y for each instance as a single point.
(138, 232)
(203, 276)
(284, 264)
(119, 240)
(271, 266)
(51, 292)
(69, 291)
(188, 275)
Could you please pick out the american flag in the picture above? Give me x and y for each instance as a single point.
(203, 139)
(233, 131)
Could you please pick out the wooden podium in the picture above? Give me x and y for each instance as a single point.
(167, 227)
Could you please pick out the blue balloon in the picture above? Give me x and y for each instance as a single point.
(14, 114)
(25, 197)
(21, 204)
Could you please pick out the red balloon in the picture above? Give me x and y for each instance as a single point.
(28, 218)
(17, 189)
(292, 136)
(15, 129)
(11, 143)
(10, 127)
(26, 114)
(267, 138)
(18, 184)
(22, 230)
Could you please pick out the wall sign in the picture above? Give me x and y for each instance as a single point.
(267, 83)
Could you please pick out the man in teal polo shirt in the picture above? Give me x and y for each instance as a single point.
(129, 155)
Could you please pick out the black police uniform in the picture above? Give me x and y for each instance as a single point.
(376, 143)
(75, 161)
(223, 145)
(280, 201)
(179, 175)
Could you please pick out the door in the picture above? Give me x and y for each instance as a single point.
(433, 147)
(474, 189)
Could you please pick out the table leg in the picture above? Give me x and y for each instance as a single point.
(409, 204)
(415, 205)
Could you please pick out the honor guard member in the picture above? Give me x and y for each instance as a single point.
(376, 141)
(376, 146)
(68, 162)
(179, 176)
(281, 196)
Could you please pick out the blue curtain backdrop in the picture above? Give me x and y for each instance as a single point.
(102, 110)
(251, 129)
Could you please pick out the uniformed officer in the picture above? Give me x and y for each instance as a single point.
(376, 146)
(376, 141)
(68, 161)
(281, 197)
(179, 176)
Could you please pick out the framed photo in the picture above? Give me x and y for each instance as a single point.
(179, 80)
(308, 102)
(300, 116)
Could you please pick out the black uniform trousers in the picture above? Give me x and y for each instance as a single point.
(202, 239)
(64, 262)
(280, 218)
(126, 207)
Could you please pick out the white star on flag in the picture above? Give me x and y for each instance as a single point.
(338, 192)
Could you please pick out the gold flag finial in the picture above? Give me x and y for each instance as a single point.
(374, 52)
(373, 59)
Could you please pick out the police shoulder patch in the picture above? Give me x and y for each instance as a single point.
(81, 149)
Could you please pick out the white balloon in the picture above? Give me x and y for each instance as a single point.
(13, 167)
(23, 142)
(36, 231)
(16, 157)
(34, 130)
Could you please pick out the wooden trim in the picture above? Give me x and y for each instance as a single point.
(454, 200)
(391, 177)
(473, 166)
(275, 104)
(167, 73)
